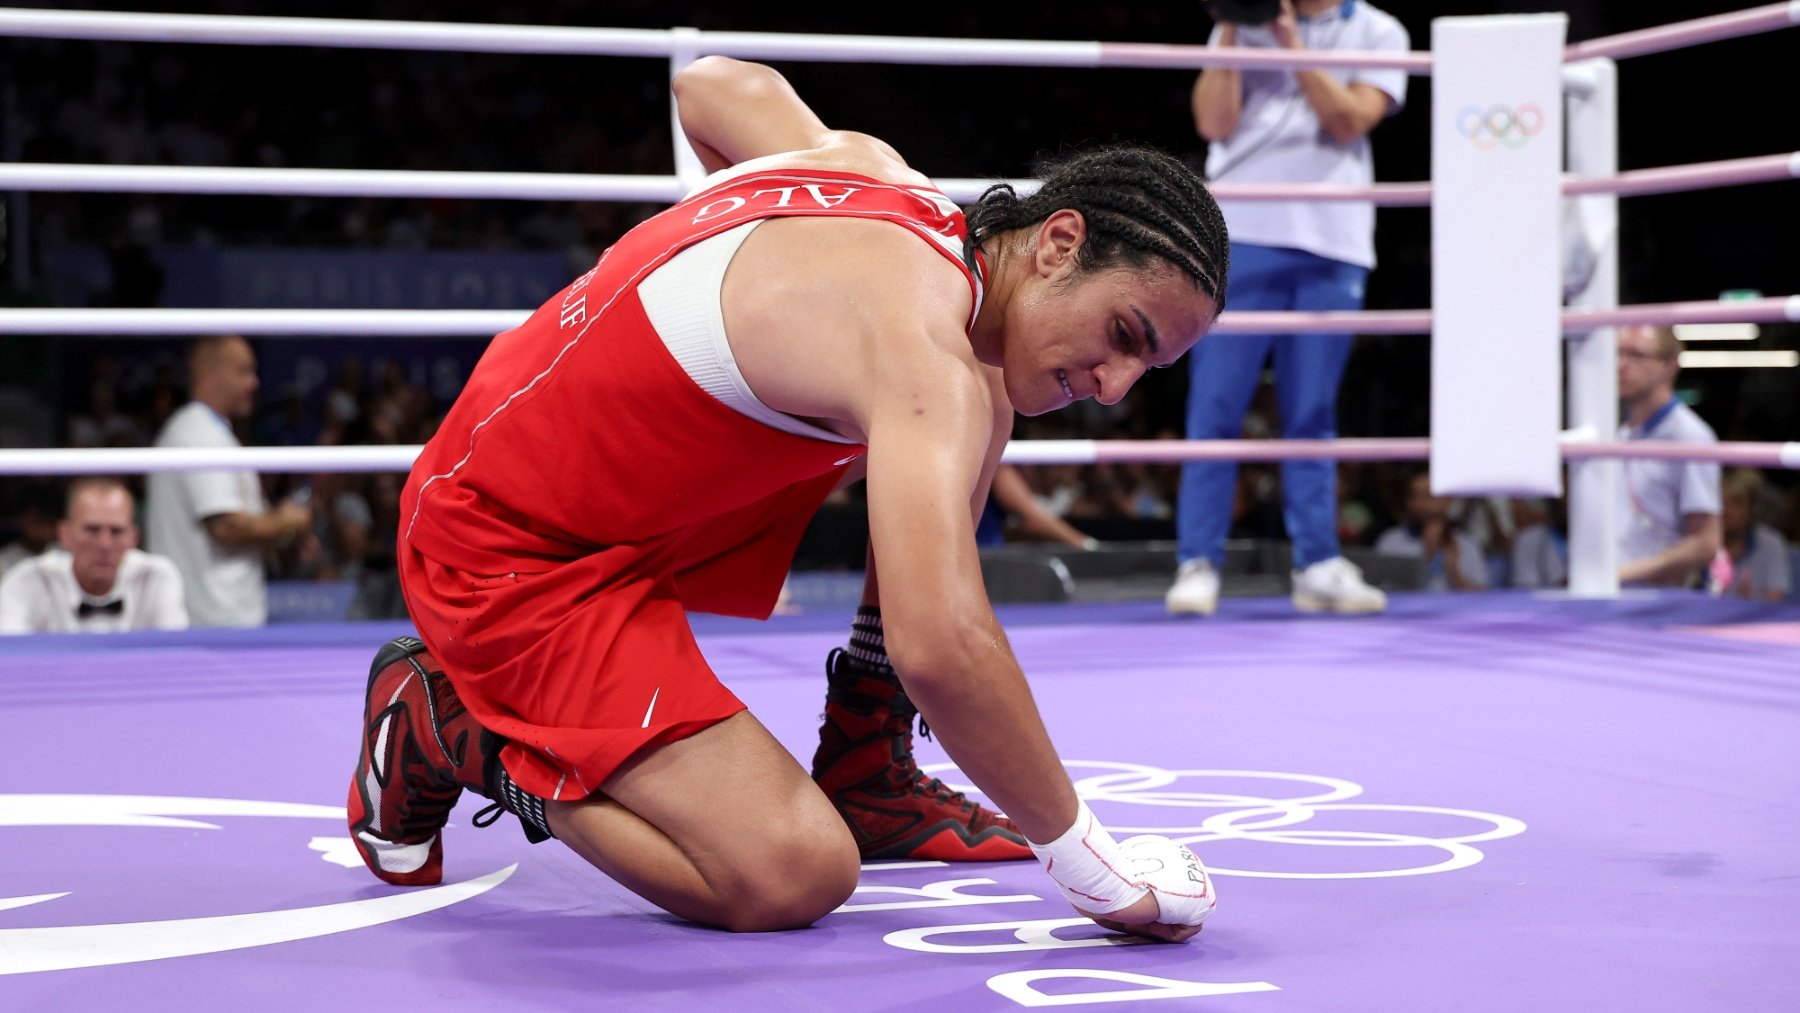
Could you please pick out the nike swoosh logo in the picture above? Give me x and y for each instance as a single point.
(652, 708)
(64, 947)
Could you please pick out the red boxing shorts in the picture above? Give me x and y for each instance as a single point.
(579, 666)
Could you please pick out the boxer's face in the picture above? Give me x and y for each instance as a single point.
(1073, 334)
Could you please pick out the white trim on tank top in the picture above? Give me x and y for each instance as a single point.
(682, 300)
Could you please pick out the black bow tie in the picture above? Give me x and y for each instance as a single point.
(116, 607)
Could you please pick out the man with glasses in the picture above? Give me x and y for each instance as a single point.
(1669, 529)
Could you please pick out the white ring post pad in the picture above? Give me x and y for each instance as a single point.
(1087, 865)
(1496, 283)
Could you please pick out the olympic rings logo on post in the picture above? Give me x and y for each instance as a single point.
(1499, 126)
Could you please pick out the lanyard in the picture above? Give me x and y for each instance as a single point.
(1656, 418)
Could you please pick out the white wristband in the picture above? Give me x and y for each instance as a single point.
(1087, 865)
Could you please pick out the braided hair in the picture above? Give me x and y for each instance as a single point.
(1139, 203)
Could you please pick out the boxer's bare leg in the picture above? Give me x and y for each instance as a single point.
(722, 828)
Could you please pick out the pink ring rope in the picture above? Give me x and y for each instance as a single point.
(1762, 455)
(1682, 34)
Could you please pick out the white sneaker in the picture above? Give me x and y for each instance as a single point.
(1195, 591)
(1336, 585)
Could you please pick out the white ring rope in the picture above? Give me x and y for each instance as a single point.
(553, 40)
(397, 458)
(89, 178)
(478, 38)
(487, 323)
(86, 177)
(54, 177)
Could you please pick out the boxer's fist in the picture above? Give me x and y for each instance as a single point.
(1176, 878)
(1180, 896)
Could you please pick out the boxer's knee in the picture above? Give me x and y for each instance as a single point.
(790, 879)
(799, 895)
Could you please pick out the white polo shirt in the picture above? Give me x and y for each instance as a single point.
(1655, 495)
(1279, 140)
(224, 587)
(41, 595)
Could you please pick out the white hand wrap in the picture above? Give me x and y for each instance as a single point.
(1184, 891)
(1088, 866)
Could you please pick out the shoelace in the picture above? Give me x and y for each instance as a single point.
(919, 784)
(903, 707)
(486, 817)
(938, 790)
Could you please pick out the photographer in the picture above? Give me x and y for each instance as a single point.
(1285, 126)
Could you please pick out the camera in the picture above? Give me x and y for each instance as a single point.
(1244, 12)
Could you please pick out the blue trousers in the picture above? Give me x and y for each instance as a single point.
(1225, 370)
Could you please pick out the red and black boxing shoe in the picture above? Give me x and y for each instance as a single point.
(864, 764)
(420, 749)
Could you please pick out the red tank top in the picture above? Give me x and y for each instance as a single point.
(578, 431)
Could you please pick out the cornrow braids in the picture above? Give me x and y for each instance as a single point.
(1139, 203)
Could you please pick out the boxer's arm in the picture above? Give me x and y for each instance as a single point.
(733, 111)
(935, 422)
(929, 433)
(928, 452)
(990, 470)
(1001, 416)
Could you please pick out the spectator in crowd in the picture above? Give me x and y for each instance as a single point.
(1488, 521)
(294, 426)
(344, 400)
(1286, 126)
(1026, 517)
(216, 525)
(165, 397)
(1754, 563)
(1539, 554)
(1361, 515)
(1669, 530)
(378, 586)
(103, 425)
(341, 522)
(35, 517)
(1453, 561)
(98, 581)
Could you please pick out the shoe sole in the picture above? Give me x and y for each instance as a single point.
(1308, 603)
(950, 842)
(947, 838)
(1191, 608)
